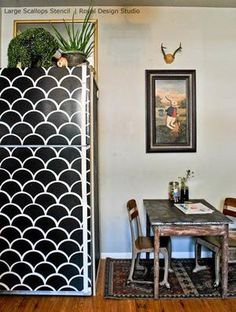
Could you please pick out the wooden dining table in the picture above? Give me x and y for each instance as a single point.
(167, 220)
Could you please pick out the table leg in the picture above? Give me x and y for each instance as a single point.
(156, 261)
(148, 233)
(225, 259)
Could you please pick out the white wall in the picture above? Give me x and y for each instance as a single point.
(129, 44)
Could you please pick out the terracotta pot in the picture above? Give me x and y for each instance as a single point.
(74, 58)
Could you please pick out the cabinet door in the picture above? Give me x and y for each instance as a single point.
(44, 108)
(45, 232)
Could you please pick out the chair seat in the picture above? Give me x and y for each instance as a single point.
(215, 240)
(144, 242)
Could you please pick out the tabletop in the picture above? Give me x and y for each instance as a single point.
(164, 212)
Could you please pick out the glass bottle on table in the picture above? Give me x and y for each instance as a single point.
(174, 192)
(184, 189)
(184, 192)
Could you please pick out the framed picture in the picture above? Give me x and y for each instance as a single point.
(170, 111)
(21, 25)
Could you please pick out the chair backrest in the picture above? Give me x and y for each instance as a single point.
(230, 207)
(134, 220)
(229, 210)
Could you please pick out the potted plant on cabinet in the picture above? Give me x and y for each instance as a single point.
(78, 43)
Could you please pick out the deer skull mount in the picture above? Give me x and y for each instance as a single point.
(169, 58)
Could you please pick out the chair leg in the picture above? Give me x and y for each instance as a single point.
(135, 265)
(198, 267)
(169, 248)
(217, 269)
(138, 266)
(166, 269)
(131, 272)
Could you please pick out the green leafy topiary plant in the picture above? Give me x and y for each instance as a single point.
(34, 47)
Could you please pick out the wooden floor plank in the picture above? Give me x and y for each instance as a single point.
(99, 304)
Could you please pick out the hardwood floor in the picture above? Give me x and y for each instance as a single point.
(99, 304)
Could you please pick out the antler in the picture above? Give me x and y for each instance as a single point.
(169, 58)
(178, 50)
(163, 49)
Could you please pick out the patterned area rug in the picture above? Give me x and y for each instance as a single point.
(183, 283)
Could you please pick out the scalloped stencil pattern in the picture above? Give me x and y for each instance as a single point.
(42, 107)
(45, 212)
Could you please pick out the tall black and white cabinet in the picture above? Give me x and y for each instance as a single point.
(48, 181)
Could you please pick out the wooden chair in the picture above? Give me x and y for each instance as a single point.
(145, 244)
(214, 243)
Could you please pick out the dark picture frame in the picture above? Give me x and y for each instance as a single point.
(170, 111)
